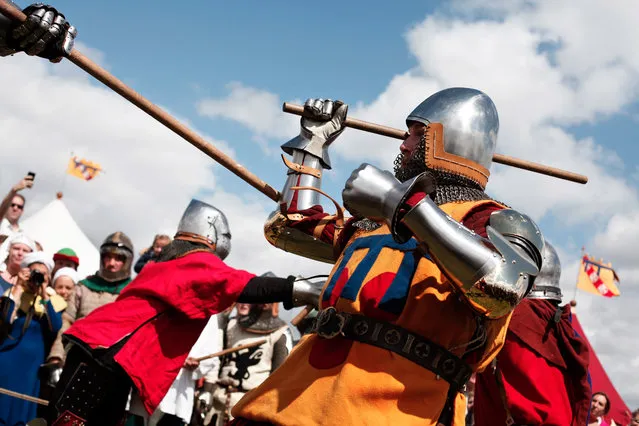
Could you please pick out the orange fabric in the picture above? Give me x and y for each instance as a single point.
(338, 381)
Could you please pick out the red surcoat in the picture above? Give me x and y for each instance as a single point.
(185, 292)
(543, 366)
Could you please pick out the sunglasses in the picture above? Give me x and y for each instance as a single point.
(19, 206)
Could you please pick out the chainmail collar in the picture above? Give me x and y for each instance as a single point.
(456, 189)
(259, 321)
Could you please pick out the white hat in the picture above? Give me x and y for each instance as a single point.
(21, 238)
(66, 272)
(37, 257)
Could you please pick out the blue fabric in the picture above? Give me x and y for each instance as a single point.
(4, 285)
(394, 299)
(20, 360)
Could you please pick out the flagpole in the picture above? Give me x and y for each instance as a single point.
(64, 177)
(583, 252)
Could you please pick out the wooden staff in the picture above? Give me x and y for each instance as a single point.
(301, 315)
(156, 112)
(231, 350)
(497, 158)
(23, 396)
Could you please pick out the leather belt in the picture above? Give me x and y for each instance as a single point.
(330, 323)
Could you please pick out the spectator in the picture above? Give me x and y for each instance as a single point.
(599, 407)
(635, 418)
(64, 282)
(12, 207)
(159, 242)
(19, 246)
(116, 257)
(65, 258)
(31, 318)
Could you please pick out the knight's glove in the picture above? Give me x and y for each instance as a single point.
(45, 33)
(322, 123)
(307, 292)
(377, 195)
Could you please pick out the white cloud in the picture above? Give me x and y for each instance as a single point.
(258, 110)
(546, 64)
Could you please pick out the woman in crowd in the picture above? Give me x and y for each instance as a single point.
(19, 246)
(30, 318)
(64, 282)
(635, 418)
(599, 407)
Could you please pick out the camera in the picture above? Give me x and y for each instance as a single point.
(36, 278)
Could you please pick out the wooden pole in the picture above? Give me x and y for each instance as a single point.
(24, 397)
(497, 158)
(231, 350)
(301, 315)
(156, 112)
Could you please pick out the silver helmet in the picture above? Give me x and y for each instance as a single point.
(470, 127)
(546, 285)
(118, 244)
(205, 224)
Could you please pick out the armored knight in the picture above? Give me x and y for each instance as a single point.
(426, 275)
(143, 338)
(245, 370)
(540, 377)
(45, 33)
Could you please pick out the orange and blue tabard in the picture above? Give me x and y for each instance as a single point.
(340, 381)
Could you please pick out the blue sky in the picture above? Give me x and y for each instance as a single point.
(176, 56)
(380, 57)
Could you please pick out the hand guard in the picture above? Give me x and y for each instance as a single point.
(324, 124)
(306, 292)
(377, 195)
(45, 33)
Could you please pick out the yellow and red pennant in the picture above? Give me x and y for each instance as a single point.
(83, 169)
(597, 277)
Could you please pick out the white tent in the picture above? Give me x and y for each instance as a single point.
(54, 228)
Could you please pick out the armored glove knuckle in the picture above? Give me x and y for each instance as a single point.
(366, 192)
(322, 123)
(45, 33)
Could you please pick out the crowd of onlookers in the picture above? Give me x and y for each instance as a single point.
(42, 296)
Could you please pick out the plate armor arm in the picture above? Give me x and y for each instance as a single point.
(494, 274)
(299, 225)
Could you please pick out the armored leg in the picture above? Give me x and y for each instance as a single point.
(89, 393)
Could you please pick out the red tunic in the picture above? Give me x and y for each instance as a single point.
(543, 366)
(187, 291)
